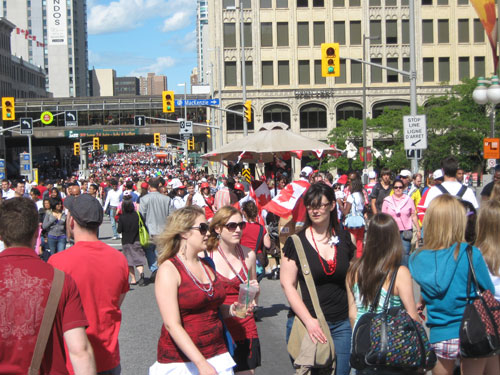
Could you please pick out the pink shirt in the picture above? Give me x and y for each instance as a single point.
(401, 210)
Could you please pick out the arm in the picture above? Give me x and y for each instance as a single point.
(48, 220)
(251, 262)
(106, 203)
(120, 226)
(166, 290)
(404, 288)
(346, 208)
(80, 351)
(120, 301)
(415, 222)
(374, 206)
(351, 303)
(482, 273)
(267, 240)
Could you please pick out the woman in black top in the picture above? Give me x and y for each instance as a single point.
(329, 250)
(128, 225)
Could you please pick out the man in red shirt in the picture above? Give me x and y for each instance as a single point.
(25, 282)
(101, 274)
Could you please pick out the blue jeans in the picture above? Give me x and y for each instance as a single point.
(112, 213)
(341, 334)
(57, 244)
(406, 250)
(151, 256)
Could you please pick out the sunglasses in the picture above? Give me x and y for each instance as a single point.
(232, 226)
(398, 187)
(203, 228)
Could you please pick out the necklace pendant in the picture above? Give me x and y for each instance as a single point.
(331, 264)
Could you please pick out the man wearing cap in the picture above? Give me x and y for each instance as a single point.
(179, 191)
(414, 194)
(486, 192)
(436, 179)
(372, 181)
(101, 274)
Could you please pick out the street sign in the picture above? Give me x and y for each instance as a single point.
(70, 118)
(26, 125)
(163, 140)
(46, 118)
(415, 132)
(414, 154)
(186, 136)
(492, 163)
(139, 120)
(247, 174)
(196, 102)
(2, 169)
(186, 127)
(24, 161)
(491, 148)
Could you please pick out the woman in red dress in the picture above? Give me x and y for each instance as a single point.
(189, 295)
(235, 264)
(209, 200)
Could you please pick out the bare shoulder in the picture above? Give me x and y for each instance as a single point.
(168, 273)
(248, 253)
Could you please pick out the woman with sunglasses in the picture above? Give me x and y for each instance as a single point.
(402, 209)
(328, 250)
(189, 295)
(235, 264)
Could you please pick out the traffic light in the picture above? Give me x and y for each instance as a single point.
(191, 144)
(105, 147)
(8, 109)
(76, 148)
(208, 133)
(248, 110)
(168, 101)
(95, 143)
(330, 60)
(157, 139)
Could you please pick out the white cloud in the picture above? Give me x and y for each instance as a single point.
(189, 42)
(113, 59)
(158, 67)
(177, 21)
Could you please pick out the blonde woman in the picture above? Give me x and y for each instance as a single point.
(441, 268)
(235, 264)
(189, 295)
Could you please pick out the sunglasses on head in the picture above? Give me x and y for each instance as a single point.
(232, 226)
(203, 228)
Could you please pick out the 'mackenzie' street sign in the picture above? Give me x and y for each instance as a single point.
(415, 132)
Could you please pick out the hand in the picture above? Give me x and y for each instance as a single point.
(205, 368)
(315, 332)
(255, 284)
(419, 234)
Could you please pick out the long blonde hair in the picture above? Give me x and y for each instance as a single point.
(220, 218)
(444, 223)
(495, 192)
(181, 221)
(488, 234)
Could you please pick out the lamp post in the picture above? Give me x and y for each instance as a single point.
(488, 95)
(185, 117)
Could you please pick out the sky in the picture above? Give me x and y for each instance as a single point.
(135, 37)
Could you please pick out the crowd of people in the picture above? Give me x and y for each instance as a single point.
(210, 239)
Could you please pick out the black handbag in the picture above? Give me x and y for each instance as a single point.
(390, 341)
(479, 330)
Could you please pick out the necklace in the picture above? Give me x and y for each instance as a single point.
(331, 263)
(240, 255)
(210, 290)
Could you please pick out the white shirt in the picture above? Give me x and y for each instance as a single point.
(496, 282)
(112, 198)
(8, 194)
(357, 200)
(198, 200)
(453, 187)
(177, 202)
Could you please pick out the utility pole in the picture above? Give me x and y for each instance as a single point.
(243, 73)
(413, 77)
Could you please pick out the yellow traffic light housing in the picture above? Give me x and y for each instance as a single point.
(330, 60)
(8, 109)
(95, 143)
(248, 110)
(76, 148)
(168, 101)
(191, 144)
(208, 133)
(105, 147)
(157, 139)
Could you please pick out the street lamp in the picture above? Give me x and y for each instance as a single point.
(488, 95)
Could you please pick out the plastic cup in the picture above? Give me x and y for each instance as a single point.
(245, 298)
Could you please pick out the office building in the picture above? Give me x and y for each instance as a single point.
(102, 82)
(52, 34)
(127, 86)
(153, 84)
(202, 41)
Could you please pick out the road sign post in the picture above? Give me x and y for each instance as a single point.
(139, 120)
(415, 136)
(185, 127)
(70, 118)
(26, 125)
(196, 102)
(24, 163)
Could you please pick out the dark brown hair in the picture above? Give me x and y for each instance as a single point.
(18, 221)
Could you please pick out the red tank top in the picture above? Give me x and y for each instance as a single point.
(199, 317)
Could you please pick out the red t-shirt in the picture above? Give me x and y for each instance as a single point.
(250, 235)
(101, 273)
(42, 189)
(25, 282)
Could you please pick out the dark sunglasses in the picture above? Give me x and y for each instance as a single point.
(232, 226)
(203, 228)
(398, 187)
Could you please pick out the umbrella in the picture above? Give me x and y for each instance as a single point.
(271, 140)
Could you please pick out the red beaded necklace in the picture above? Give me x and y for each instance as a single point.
(332, 263)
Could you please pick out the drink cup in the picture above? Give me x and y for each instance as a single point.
(245, 298)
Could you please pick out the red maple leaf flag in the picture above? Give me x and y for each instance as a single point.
(284, 203)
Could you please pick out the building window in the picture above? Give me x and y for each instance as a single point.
(355, 32)
(318, 76)
(302, 4)
(375, 3)
(376, 32)
(376, 72)
(318, 33)
(229, 35)
(428, 67)
(392, 76)
(277, 113)
(443, 31)
(282, 34)
(227, 3)
(463, 31)
(347, 110)
(426, 2)
(355, 3)
(356, 74)
(442, 2)
(264, 4)
(427, 31)
(247, 4)
(235, 122)
(249, 73)
(405, 31)
(303, 33)
(464, 2)
(444, 69)
(463, 68)
(313, 116)
(281, 3)
(283, 73)
(318, 3)
(391, 32)
(391, 3)
(478, 31)
(266, 34)
(379, 108)
(406, 68)
(267, 73)
(339, 32)
(479, 66)
(230, 73)
(304, 72)
(247, 31)
(343, 74)
(338, 3)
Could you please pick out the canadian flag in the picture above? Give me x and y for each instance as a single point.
(285, 203)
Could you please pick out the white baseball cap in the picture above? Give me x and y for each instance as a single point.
(372, 174)
(438, 173)
(306, 171)
(405, 173)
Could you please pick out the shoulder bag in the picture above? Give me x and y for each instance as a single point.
(300, 346)
(390, 341)
(259, 253)
(143, 232)
(354, 219)
(47, 322)
(479, 330)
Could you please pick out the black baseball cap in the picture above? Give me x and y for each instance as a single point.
(85, 209)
